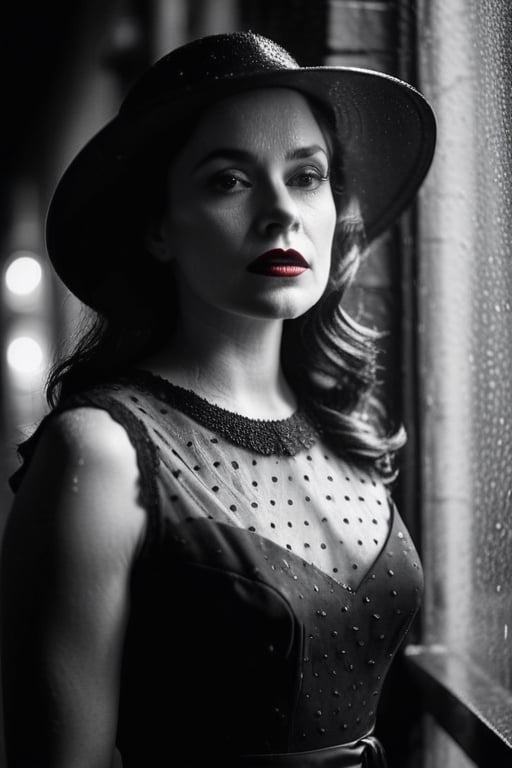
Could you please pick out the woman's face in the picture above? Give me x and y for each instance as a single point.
(250, 217)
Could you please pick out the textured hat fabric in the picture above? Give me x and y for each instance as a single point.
(387, 130)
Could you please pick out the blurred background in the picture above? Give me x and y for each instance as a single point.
(439, 284)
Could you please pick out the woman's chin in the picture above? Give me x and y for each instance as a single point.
(278, 305)
(284, 310)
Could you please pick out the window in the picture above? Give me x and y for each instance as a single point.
(465, 335)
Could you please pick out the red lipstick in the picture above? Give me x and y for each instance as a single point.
(279, 263)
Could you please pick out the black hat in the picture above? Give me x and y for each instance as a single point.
(387, 130)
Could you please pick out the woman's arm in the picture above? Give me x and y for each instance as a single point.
(69, 545)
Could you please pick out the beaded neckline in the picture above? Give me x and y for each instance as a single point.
(265, 436)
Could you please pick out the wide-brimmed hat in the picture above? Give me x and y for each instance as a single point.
(93, 228)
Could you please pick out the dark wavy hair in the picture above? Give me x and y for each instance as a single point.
(329, 359)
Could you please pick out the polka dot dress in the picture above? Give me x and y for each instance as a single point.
(321, 510)
(273, 589)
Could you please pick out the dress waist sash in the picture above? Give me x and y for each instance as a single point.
(363, 753)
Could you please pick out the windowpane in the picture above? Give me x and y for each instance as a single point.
(465, 295)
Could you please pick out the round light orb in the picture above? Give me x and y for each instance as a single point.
(24, 355)
(23, 275)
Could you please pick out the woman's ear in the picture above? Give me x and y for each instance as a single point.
(156, 242)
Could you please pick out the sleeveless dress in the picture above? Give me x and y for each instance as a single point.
(255, 638)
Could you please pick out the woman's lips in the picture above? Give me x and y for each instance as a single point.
(279, 263)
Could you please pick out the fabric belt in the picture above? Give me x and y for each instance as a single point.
(363, 753)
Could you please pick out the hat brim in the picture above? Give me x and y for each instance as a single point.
(387, 129)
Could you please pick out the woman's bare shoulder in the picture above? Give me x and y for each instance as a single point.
(84, 476)
(92, 433)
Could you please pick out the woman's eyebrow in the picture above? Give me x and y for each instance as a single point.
(302, 152)
(231, 153)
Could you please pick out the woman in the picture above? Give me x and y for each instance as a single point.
(203, 564)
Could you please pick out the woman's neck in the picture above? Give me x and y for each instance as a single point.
(230, 360)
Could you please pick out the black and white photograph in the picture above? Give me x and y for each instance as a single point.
(256, 384)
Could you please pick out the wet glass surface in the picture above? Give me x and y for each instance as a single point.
(465, 290)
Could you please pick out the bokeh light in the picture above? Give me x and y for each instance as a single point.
(24, 355)
(23, 275)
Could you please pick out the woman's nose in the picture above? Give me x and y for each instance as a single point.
(277, 210)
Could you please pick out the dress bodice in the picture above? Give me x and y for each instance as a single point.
(275, 585)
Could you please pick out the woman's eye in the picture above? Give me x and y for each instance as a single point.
(308, 178)
(229, 181)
